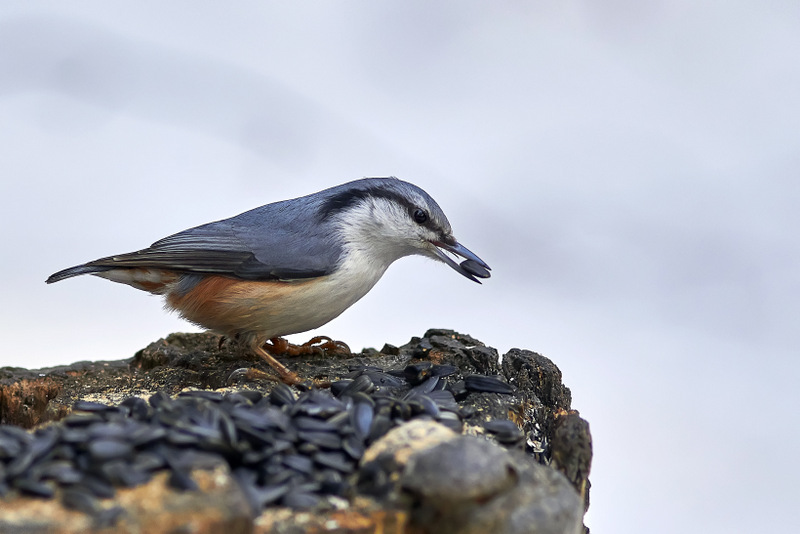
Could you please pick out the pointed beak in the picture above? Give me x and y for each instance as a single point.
(472, 267)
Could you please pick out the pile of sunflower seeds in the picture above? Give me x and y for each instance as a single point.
(282, 449)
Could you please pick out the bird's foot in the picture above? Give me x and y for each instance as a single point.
(319, 346)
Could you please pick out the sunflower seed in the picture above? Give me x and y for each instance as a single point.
(487, 384)
(80, 499)
(416, 373)
(443, 370)
(281, 395)
(362, 384)
(423, 388)
(34, 487)
(301, 464)
(505, 431)
(334, 460)
(474, 268)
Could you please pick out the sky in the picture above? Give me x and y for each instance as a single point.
(628, 169)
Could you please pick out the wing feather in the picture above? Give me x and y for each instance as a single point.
(272, 242)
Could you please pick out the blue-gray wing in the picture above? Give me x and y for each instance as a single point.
(280, 241)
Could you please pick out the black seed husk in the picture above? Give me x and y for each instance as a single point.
(475, 268)
(283, 449)
(487, 384)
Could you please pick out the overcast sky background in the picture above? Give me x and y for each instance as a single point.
(629, 169)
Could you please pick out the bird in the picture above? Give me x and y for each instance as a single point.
(289, 266)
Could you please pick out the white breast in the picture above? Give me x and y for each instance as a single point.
(317, 303)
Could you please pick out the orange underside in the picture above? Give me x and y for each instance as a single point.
(227, 305)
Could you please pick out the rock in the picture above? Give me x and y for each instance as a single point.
(405, 440)
(154, 508)
(24, 402)
(459, 470)
(571, 451)
(382, 464)
(419, 477)
(468, 485)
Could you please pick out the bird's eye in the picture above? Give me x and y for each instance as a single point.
(420, 216)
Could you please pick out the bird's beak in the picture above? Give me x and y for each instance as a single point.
(472, 267)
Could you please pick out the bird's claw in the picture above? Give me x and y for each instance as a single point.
(319, 346)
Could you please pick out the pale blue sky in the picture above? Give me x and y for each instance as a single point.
(628, 169)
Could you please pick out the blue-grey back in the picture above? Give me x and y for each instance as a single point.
(288, 239)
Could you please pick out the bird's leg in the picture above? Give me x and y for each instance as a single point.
(318, 345)
(260, 348)
(286, 376)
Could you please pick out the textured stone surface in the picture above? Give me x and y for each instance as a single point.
(475, 485)
(469, 485)
(405, 440)
(475, 468)
(154, 508)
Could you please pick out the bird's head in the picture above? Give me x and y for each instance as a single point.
(386, 219)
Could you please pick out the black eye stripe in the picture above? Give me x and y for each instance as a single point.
(344, 200)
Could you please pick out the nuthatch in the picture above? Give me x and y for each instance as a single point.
(290, 266)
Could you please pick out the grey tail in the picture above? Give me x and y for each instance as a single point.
(76, 271)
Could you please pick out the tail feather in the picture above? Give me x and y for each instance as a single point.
(76, 271)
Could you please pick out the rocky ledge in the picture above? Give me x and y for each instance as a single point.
(437, 436)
